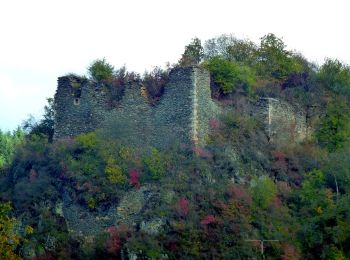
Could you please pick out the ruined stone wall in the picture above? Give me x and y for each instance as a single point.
(73, 107)
(182, 114)
(283, 122)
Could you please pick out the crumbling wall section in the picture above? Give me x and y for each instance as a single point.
(283, 122)
(73, 110)
(181, 115)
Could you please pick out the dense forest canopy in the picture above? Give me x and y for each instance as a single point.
(190, 202)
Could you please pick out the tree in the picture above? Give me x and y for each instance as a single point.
(336, 76)
(8, 144)
(100, 70)
(46, 125)
(242, 51)
(274, 60)
(193, 53)
(218, 46)
(334, 129)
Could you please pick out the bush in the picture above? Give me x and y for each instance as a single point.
(229, 75)
(263, 190)
(154, 82)
(100, 70)
(154, 164)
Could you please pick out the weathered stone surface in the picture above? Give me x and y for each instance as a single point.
(283, 123)
(182, 114)
(152, 227)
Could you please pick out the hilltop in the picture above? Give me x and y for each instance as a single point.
(236, 142)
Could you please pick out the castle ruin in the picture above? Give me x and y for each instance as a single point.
(181, 115)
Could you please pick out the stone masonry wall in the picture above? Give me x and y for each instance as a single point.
(284, 123)
(182, 115)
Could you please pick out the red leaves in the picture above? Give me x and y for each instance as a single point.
(209, 219)
(183, 207)
(238, 193)
(290, 252)
(214, 124)
(33, 175)
(134, 178)
(201, 152)
(113, 243)
(280, 160)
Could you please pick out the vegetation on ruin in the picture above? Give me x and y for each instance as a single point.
(188, 202)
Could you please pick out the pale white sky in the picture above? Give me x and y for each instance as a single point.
(43, 39)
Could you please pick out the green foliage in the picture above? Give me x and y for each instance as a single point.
(323, 217)
(8, 143)
(229, 75)
(263, 190)
(154, 164)
(193, 53)
(218, 46)
(334, 129)
(100, 70)
(312, 186)
(88, 141)
(8, 239)
(336, 76)
(274, 60)
(243, 52)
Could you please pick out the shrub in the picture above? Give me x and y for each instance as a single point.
(154, 164)
(114, 172)
(154, 82)
(263, 190)
(229, 75)
(100, 70)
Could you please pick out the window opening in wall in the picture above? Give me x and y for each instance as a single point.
(76, 101)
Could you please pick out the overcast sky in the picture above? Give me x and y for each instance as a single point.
(41, 40)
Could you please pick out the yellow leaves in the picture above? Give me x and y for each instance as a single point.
(319, 210)
(88, 141)
(29, 230)
(125, 153)
(91, 202)
(114, 172)
(8, 239)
